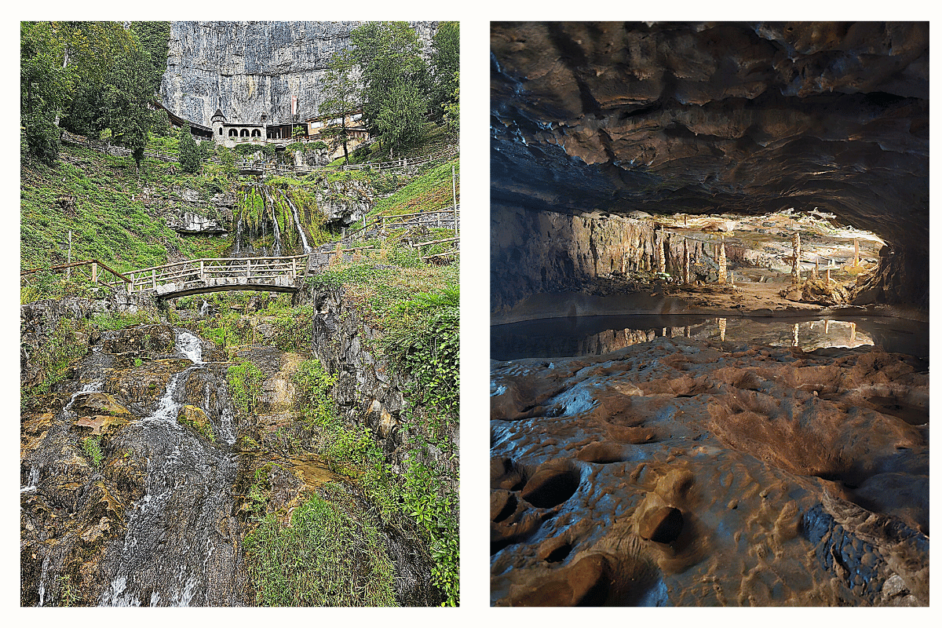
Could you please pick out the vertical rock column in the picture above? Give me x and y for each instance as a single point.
(721, 262)
(686, 263)
(796, 253)
(661, 252)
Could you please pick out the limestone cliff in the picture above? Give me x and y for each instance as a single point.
(250, 68)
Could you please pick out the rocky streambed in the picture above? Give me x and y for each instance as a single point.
(683, 472)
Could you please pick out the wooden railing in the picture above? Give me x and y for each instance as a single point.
(90, 269)
(253, 269)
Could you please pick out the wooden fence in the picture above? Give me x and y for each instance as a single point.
(253, 269)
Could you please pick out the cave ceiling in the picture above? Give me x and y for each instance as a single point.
(741, 118)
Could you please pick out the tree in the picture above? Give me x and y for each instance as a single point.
(341, 96)
(154, 38)
(400, 118)
(446, 49)
(453, 109)
(45, 84)
(191, 157)
(394, 73)
(128, 99)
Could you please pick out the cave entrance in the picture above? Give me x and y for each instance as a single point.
(777, 249)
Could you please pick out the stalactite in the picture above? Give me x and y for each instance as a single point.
(686, 262)
(796, 254)
(661, 252)
(721, 262)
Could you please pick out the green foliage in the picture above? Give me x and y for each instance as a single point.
(341, 97)
(453, 109)
(127, 99)
(245, 381)
(324, 557)
(313, 397)
(431, 190)
(446, 48)
(424, 341)
(393, 77)
(92, 448)
(191, 158)
(198, 422)
(44, 88)
(67, 595)
(155, 39)
(434, 506)
(401, 116)
(120, 320)
(54, 356)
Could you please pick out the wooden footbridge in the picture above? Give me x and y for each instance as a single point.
(180, 279)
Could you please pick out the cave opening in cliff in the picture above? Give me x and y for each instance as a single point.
(709, 314)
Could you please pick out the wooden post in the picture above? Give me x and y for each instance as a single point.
(94, 272)
(153, 278)
(248, 268)
(454, 197)
(294, 271)
(202, 271)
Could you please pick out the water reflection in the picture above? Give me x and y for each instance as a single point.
(596, 335)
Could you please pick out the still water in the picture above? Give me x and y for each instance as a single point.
(595, 335)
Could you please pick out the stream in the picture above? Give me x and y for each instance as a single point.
(174, 543)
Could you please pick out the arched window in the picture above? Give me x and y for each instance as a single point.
(220, 130)
(233, 133)
(256, 133)
(244, 133)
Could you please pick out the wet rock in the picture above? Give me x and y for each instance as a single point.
(662, 525)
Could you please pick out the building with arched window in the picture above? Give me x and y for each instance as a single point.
(231, 134)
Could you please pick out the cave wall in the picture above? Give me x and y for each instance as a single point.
(709, 118)
(539, 252)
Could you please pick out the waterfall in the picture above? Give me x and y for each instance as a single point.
(33, 480)
(238, 237)
(168, 554)
(274, 220)
(297, 224)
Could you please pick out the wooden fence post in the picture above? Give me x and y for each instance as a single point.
(202, 271)
(94, 272)
(454, 197)
(153, 278)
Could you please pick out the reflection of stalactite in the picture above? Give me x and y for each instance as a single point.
(853, 333)
(721, 323)
(827, 326)
(795, 336)
(687, 328)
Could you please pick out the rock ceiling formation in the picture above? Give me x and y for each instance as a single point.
(716, 118)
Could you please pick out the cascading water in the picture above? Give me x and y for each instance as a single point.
(173, 551)
(274, 220)
(297, 224)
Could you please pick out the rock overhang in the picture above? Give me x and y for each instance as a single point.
(743, 118)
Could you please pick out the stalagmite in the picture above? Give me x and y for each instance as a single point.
(796, 253)
(815, 273)
(721, 262)
(721, 322)
(856, 253)
(686, 263)
(661, 252)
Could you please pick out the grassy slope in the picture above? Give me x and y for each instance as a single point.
(116, 216)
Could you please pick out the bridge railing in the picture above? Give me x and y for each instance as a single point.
(251, 268)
